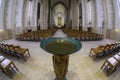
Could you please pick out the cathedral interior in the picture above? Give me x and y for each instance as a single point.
(24, 24)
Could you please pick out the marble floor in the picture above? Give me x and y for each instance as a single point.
(40, 67)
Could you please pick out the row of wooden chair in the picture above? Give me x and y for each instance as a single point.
(111, 64)
(83, 35)
(7, 66)
(15, 51)
(104, 50)
(35, 35)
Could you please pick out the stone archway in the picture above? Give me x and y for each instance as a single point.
(59, 13)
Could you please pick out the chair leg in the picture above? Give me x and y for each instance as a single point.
(29, 53)
(94, 57)
(103, 65)
(15, 66)
(111, 71)
(23, 57)
(90, 52)
(7, 72)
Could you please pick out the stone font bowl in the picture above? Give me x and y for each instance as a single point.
(61, 45)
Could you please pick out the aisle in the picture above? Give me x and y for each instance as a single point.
(59, 33)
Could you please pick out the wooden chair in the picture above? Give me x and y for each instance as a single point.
(7, 65)
(12, 51)
(110, 65)
(19, 51)
(107, 50)
(98, 51)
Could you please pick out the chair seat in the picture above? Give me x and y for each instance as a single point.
(118, 53)
(112, 61)
(110, 65)
(8, 65)
(2, 58)
(5, 63)
(117, 57)
(97, 50)
(20, 50)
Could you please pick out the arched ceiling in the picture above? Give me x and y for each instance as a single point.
(59, 10)
(54, 2)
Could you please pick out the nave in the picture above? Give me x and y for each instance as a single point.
(24, 23)
(40, 66)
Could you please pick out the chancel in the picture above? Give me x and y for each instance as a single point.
(31, 29)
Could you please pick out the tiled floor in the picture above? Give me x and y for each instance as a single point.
(39, 66)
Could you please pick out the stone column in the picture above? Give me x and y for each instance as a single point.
(9, 14)
(19, 17)
(24, 15)
(7, 19)
(68, 15)
(75, 14)
(34, 15)
(5, 14)
(95, 17)
(84, 14)
(51, 17)
(13, 16)
(2, 13)
(4, 4)
(25, 19)
(92, 15)
(105, 18)
(113, 19)
(44, 15)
